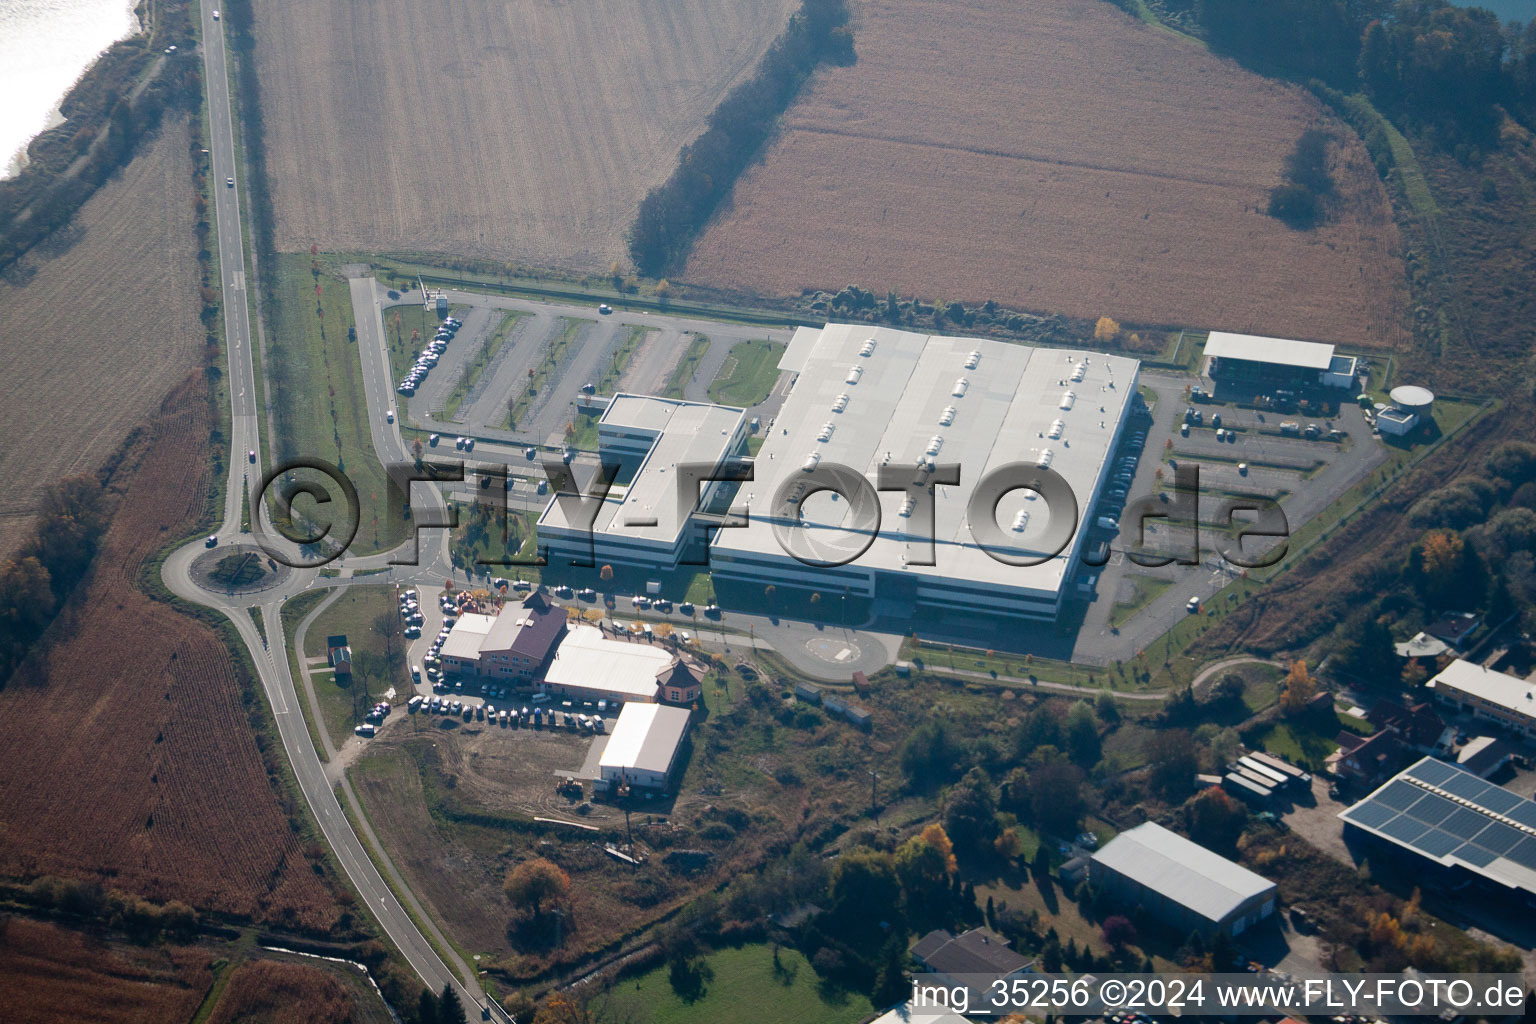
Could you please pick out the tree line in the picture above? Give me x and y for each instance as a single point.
(39, 577)
(674, 212)
(1435, 67)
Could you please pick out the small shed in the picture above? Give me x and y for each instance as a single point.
(338, 654)
(808, 693)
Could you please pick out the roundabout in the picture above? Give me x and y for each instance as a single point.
(239, 569)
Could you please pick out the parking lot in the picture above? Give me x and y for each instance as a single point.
(584, 358)
(1305, 471)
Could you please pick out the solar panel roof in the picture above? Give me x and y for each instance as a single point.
(1524, 854)
(1433, 809)
(1499, 838)
(1496, 798)
(1475, 855)
(1398, 795)
(1370, 814)
(1465, 822)
(1432, 772)
(1416, 810)
(1437, 843)
(1404, 828)
(1466, 786)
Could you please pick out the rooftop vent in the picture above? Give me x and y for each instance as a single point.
(960, 385)
(934, 444)
(1020, 521)
(840, 402)
(854, 374)
(868, 348)
(1067, 398)
(1044, 461)
(1057, 426)
(972, 360)
(810, 461)
(826, 432)
(947, 416)
(1079, 371)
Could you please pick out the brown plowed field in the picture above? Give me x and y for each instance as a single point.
(269, 992)
(51, 975)
(1057, 156)
(97, 326)
(129, 755)
(525, 130)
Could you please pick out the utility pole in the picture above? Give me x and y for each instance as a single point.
(874, 806)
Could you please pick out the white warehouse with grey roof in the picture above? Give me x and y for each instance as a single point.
(1180, 882)
(871, 397)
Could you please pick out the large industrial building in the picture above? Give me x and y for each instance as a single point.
(1180, 882)
(642, 522)
(868, 398)
(1458, 827)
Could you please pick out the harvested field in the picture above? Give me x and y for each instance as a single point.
(1057, 156)
(100, 321)
(130, 756)
(52, 975)
(525, 131)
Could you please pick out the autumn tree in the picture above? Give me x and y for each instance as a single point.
(605, 573)
(1446, 573)
(1299, 688)
(535, 884)
(1105, 329)
(1118, 932)
(970, 816)
(1215, 819)
(925, 862)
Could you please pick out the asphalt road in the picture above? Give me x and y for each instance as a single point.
(272, 662)
(245, 431)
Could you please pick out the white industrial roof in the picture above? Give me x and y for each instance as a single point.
(645, 738)
(588, 658)
(906, 1013)
(1498, 688)
(647, 507)
(985, 403)
(1309, 355)
(1183, 871)
(465, 637)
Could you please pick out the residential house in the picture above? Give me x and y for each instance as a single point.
(1367, 761)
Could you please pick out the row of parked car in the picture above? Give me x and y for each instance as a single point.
(535, 717)
(375, 718)
(1119, 487)
(430, 355)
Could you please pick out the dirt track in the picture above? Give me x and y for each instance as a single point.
(1057, 156)
(99, 324)
(521, 131)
